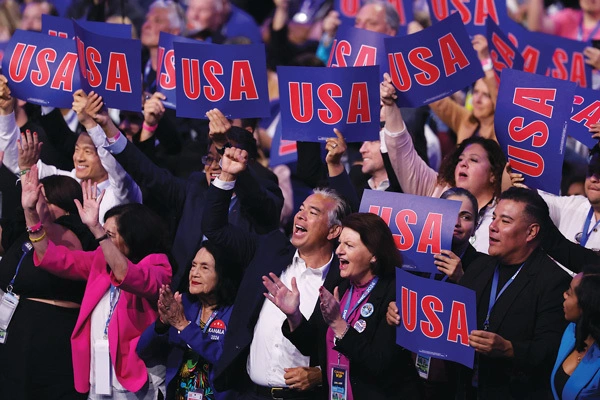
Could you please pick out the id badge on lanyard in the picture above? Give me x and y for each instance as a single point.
(10, 300)
(423, 363)
(197, 394)
(339, 383)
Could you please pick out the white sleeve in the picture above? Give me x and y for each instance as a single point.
(9, 133)
(124, 187)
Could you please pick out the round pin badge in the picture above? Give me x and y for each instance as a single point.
(366, 310)
(216, 330)
(360, 325)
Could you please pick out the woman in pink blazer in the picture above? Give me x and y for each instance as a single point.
(123, 277)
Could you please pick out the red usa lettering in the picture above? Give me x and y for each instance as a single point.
(432, 327)
(453, 60)
(117, 72)
(577, 72)
(27, 61)
(241, 85)
(430, 237)
(365, 57)
(166, 69)
(483, 9)
(590, 113)
(302, 104)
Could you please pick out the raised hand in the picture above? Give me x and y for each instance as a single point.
(218, 126)
(29, 149)
(90, 109)
(154, 109)
(516, 178)
(387, 91)
(7, 103)
(288, 301)
(450, 264)
(30, 189)
(592, 57)
(233, 162)
(170, 308)
(480, 45)
(336, 147)
(331, 22)
(90, 210)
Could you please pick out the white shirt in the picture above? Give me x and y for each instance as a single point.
(569, 214)
(120, 187)
(270, 351)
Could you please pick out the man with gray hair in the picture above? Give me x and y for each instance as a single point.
(257, 360)
(221, 18)
(163, 16)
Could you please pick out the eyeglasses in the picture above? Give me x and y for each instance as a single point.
(208, 160)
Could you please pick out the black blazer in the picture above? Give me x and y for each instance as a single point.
(379, 369)
(530, 315)
(260, 254)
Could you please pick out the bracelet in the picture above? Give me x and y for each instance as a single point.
(24, 171)
(148, 127)
(35, 228)
(101, 238)
(35, 240)
(336, 337)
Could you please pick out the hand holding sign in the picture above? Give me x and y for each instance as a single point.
(6, 100)
(592, 57)
(595, 129)
(392, 316)
(450, 264)
(331, 22)
(480, 45)
(490, 344)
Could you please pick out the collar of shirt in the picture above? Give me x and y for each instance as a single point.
(102, 186)
(298, 262)
(383, 185)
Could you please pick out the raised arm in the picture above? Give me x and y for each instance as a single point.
(9, 131)
(414, 175)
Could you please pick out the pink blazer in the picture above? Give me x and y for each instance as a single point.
(135, 311)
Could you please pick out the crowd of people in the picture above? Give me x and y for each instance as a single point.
(148, 256)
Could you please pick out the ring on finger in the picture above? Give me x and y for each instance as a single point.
(334, 145)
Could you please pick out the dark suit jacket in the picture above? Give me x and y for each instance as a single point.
(529, 314)
(379, 369)
(261, 254)
(257, 208)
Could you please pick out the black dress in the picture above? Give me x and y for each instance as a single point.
(35, 360)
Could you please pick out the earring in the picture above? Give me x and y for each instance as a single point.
(373, 260)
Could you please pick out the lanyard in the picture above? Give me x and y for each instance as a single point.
(210, 319)
(580, 30)
(26, 248)
(494, 290)
(585, 234)
(115, 294)
(150, 86)
(346, 314)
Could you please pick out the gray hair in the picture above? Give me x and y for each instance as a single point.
(391, 14)
(341, 209)
(176, 14)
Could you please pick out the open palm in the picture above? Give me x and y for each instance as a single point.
(288, 301)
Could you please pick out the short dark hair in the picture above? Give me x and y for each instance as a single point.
(376, 235)
(229, 273)
(495, 156)
(460, 192)
(243, 139)
(536, 208)
(142, 230)
(61, 190)
(588, 300)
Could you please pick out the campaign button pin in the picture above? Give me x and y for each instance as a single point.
(366, 310)
(360, 325)
(217, 329)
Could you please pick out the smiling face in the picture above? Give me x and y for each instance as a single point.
(482, 102)
(465, 223)
(86, 160)
(212, 169)
(371, 155)
(474, 171)
(571, 303)
(311, 223)
(203, 274)
(355, 258)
